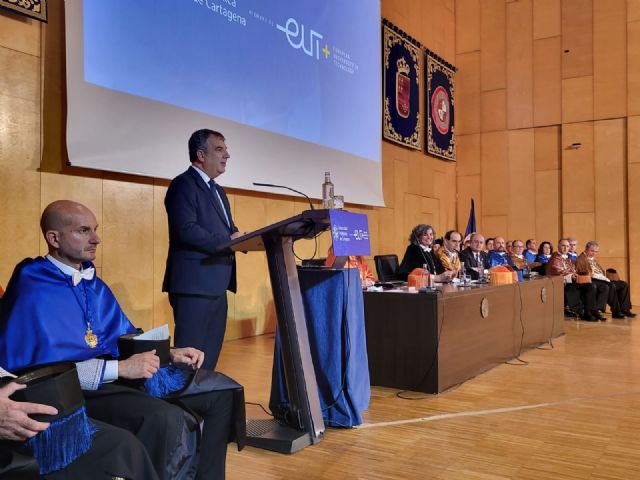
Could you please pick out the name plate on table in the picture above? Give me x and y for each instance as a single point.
(350, 233)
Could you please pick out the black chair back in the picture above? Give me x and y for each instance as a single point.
(386, 267)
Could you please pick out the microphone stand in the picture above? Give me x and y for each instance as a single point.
(271, 185)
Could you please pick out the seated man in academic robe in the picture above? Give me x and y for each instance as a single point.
(579, 298)
(56, 309)
(474, 257)
(114, 452)
(613, 292)
(573, 249)
(448, 254)
(499, 255)
(517, 256)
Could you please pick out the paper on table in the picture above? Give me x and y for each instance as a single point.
(158, 333)
(4, 373)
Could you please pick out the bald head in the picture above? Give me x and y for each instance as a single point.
(59, 214)
(499, 244)
(70, 231)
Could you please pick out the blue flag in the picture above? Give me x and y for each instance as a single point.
(471, 224)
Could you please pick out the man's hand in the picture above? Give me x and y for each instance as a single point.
(14, 422)
(235, 235)
(189, 355)
(140, 365)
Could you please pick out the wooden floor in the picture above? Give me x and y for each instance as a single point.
(573, 412)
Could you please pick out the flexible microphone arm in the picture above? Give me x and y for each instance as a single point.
(288, 188)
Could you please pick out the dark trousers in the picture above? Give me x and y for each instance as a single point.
(580, 297)
(113, 453)
(622, 293)
(164, 428)
(608, 294)
(200, 322)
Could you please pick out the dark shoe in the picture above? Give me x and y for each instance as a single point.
(588, 318)
(598, 317)
(618, 315)
(629, 313)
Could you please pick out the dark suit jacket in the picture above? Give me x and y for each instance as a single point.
(415, 257)
(467, 257)
(197, 227)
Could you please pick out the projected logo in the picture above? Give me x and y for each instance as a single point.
(350, 233)
(295, 33)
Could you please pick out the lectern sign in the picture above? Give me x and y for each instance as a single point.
(350, 233)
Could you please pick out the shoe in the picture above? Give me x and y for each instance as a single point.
(618, 315)
(598, 318)
(570, 313)
(588, 318)
(629, 313)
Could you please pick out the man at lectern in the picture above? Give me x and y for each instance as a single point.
(197, 277)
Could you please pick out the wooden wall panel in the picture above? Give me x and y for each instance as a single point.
(633, 68)
(162, 312)
(610, 59)
(548, 211)
(20, 33)
(577, 38)
(633, 10)
(609, 141)
(633, 139)
(546, 19)
(633, 205)
(519, 64)
(495, 173)
(579, 225)
(492, 41)
(468, 93)
(577, 99)
(438, 36)
(494, 110)
(547, 148)
(468, 154)
(127, 247)
(578, 191)
(421, 178)
(547, 81)
(522, 196)
(467, 26)
(494, 226)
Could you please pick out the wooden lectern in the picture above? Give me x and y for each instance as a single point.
(305, 426)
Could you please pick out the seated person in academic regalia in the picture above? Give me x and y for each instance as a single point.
(544, 253)
(113, 453)
(573, 249)
(499, 256)
(448, 254)
(367, 278)
(613, 292)
(55, 309)
(531, 250)
(579, 298)
(517, 256)
(474, 257)
(420, 253)
(488, 245)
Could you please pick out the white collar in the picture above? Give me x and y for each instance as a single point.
(565, 256)
(518, 256)
(426, 249)
(67, 269)
(203, 175)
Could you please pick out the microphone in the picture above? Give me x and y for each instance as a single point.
(288, 188)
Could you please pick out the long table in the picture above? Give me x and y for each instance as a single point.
(428, 342)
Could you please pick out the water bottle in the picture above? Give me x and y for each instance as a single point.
(327, 191)
(424, 282)
(526, 271)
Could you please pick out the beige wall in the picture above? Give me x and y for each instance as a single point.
(535, 77)
(417, 188)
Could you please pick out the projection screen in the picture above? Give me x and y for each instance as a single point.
(294, 86)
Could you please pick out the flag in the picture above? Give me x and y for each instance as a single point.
(471, 223)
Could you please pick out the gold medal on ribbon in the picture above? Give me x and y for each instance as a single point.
(91, 338)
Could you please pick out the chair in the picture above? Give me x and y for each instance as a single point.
(387, 267)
